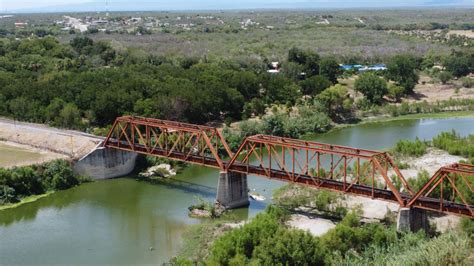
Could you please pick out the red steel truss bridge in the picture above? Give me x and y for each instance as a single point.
(356, 171)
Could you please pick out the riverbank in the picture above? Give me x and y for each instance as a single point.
(25, 200)
(27, 184)
(381, 119)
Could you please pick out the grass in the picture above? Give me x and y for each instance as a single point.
(25, 200)
(11, 155)
(448, 249)
(199, 238)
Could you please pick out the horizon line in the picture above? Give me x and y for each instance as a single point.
(41, 10)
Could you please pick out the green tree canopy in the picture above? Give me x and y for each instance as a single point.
(372, 86)
(329, 68)
(402, 69)
(335, 102)
(315, 85)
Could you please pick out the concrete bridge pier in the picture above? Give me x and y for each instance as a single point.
(104, 163)
(412, 220)
(232, 190)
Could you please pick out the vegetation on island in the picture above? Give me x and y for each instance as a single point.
(20, 182)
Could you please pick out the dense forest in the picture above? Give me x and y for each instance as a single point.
(85, 84)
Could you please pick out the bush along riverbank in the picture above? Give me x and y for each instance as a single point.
(267, 240)
(28, 182)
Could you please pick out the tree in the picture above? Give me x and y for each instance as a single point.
(307, 59)
(329, 68)
(402, 70)
(372, 86)
(70, 116)
(335, 102)
(79, 43)
(292, 70)
(53, 110)
(395, 92)
(297, 55)
(280, 89)
(255, 106)
(315, 85)
(245, 82)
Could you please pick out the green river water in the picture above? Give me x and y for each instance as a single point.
(117, 221)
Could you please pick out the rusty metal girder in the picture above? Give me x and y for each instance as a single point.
(174, 140)
(362, 172)
(448, 181)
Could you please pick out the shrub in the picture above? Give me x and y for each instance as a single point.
(7, 195)
(32, 180)
(467, 82)
(467, 225)
(395, 92)
(454, 144)
(411, 148)
(243, 241)
(59, 175)
(445, 76)
(413, 249)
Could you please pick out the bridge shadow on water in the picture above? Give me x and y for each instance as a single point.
(187, 187)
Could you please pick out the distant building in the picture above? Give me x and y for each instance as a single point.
(100, 22)
(275, 68)
(350, 67)
(21, 24)
(377, 67)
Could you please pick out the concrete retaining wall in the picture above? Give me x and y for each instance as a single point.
(103, 163)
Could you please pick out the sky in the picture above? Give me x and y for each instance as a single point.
(152, 5)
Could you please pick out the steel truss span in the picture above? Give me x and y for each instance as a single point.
(350, 170)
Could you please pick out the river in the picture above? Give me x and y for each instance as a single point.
(117, 221)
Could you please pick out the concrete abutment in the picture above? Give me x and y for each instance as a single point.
(232, 190)
(104, 163)
(412, 220)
